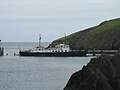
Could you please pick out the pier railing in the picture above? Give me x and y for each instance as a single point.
(101, 51)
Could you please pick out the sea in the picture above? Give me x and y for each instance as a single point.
(35, 73)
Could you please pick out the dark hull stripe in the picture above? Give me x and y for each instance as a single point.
(54, 54)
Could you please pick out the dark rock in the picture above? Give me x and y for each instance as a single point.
(102, 73)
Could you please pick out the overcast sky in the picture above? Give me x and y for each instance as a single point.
(23, 20)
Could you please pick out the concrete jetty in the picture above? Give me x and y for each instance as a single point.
(94, 52)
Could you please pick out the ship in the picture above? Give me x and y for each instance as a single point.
(60, 50)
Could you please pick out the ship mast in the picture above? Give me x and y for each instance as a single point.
(0, 43)
(65, 38)
(39, 40)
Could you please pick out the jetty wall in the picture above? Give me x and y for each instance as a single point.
(1, 51)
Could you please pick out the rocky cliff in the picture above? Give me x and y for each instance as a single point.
(104, 36)
(101, 73)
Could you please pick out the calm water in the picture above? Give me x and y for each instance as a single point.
(36, 73)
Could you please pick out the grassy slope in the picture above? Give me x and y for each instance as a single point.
(99, 37)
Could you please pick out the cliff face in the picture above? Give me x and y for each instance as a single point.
(101, 73)
(104, 36)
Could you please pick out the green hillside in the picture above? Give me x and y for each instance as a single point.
(104, 36)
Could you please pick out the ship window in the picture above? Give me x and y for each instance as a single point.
(52, 51)
(61, 50)
(39, 49)
(65, 50)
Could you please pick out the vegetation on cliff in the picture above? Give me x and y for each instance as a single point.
(101, 73)
(104, 36)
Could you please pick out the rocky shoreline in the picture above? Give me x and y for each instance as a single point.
(101, 73)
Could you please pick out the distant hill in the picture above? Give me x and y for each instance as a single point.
(104, 36)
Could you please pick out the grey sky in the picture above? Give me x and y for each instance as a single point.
(23, 20)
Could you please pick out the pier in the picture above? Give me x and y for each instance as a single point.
(94, 52)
